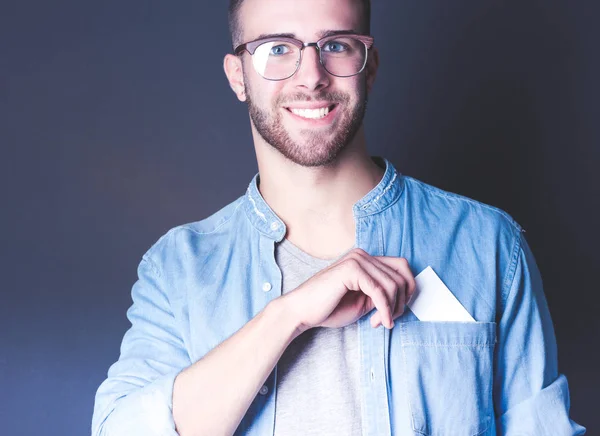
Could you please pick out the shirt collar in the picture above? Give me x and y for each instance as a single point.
(382, 196)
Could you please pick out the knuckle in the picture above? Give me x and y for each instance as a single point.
(390, 284)
(359, 251)
(403, 261)
(352, 263)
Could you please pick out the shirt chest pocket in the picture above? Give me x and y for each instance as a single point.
(448, 368)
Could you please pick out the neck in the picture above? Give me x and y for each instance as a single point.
(316, 203)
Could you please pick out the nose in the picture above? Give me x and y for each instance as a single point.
(311, 75)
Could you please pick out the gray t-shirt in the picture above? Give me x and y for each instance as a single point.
(318, 390)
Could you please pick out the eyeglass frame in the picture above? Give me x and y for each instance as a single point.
(251, 47)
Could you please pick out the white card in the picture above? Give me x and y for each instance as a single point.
(433, 301)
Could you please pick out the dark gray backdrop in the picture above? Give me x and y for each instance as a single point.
(116, 124)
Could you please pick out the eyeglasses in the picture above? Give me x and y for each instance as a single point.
(278, 58)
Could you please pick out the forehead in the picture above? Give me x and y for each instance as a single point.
(304, 18)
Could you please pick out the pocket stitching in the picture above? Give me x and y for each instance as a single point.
(403, 344)
(438, 345)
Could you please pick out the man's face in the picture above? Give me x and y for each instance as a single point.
(299, 136)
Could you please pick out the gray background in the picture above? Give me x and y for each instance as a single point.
(116, 124)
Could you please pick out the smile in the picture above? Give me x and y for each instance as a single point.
(312, 113)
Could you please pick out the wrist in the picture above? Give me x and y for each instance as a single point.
(285, 317)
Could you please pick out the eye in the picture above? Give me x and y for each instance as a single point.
(335, 47)
(278, 50)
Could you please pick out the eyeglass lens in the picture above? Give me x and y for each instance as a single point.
(278, 60)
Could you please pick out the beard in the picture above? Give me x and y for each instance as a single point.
(318, 148)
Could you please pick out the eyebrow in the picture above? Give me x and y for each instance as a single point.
(321, 34)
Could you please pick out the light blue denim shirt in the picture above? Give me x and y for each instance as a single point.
(201, 282)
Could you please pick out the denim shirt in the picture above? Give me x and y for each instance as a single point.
(201, 282)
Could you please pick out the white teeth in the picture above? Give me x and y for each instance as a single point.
(311, 113)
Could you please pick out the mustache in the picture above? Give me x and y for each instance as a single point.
(330, 97)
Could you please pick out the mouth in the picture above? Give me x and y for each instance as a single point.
(317, 113)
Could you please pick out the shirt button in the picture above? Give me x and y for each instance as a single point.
(274, 225)
(372, 374)
(264, 390)
(266, 286)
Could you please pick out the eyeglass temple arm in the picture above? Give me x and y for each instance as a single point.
(240, 49)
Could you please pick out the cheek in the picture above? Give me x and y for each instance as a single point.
(264, 95)
(355, 87)
(361, 85)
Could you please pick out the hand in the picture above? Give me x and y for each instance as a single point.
(351, 287)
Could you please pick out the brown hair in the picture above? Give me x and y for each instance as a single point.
(235, 28)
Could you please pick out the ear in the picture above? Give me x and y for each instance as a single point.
(233, 70)
(371, 67)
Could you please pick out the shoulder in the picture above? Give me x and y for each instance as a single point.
(186, 237)
(457, 209)
(453, 232)
(462, 225)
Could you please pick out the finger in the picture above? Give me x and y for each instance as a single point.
(379, 297)
(401, 266)
(401, 269)
(396, 313)
(360, 280)
(384, 276)
(394, 274)
(402, 284)
(400, 305)
(376, 320)
(399, 292)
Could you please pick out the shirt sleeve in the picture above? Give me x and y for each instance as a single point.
(137, 396)
(530, 396)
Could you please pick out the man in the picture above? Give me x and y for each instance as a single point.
(257, 320)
